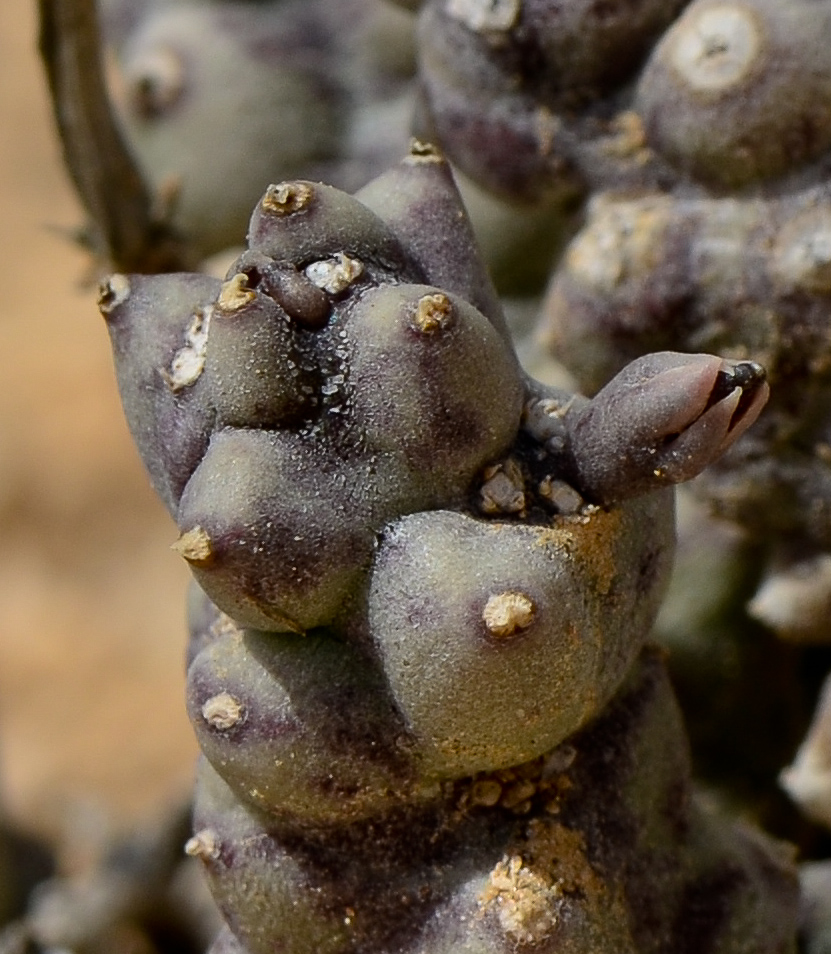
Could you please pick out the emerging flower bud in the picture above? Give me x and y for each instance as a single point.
(661, 421)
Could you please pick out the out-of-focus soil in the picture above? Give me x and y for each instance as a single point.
(91, 598)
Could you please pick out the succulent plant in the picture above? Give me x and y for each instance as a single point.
(328, 92)
(598, 846)
(424, 582)
(297, 86)
(695, 138)
(742, 277)
(419, 667)
(752, 73)
(708, 263)
(533, 95)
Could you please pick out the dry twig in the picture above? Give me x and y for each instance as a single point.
(124, 230)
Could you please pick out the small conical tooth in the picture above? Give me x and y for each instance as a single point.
(327, 223)
(547, 618)
(299, 297)
(252, 364)
(158, 329)
(279, 712)
(457, 385)
(420, 202)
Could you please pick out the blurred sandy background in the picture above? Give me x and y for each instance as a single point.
(91, 598)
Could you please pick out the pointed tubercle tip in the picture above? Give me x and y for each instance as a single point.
(195, 546)
(433, 313)
(422, 152)
(203, 845)
(287, 198)
(235, 294)
(112, 292)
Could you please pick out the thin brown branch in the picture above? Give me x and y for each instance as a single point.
(119, 204)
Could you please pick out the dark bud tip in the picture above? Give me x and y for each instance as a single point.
(739, 393)
(661, 421)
